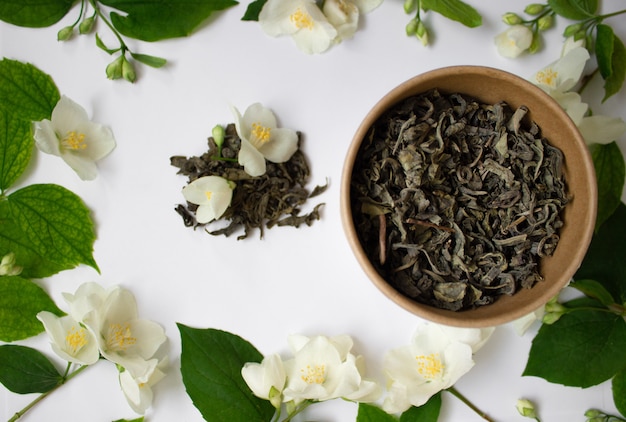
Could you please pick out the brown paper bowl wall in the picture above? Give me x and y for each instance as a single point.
(490, 85)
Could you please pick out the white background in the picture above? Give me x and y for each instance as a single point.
(293, 281)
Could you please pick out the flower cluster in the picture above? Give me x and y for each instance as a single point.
(321, 369)
(261, 140)
(437, 357)
(105, 324)
(313, 28)
(70, 135)
(523, 35)
(560, 77)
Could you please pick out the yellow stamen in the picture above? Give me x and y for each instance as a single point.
(314, 374)
(547, 77)
(260, 134)
(74, 141)
(302, 19)
(120, 337)
(76, 339)
(208, 194)
(429, 366)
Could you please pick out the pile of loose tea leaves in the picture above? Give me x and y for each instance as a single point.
(456, 201)
(273, 199)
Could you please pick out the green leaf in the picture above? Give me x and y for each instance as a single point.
(26, 91)
(20, 302)
(25, 370)
(153, 20)
(428, 412)
(34, 13)
(613, 83)
(574, 9)
(608, 162)
(211, 362)
(604, 261)
(16, 147)
(592, 341)
(12, 239)
(455, 10)
(149, 60)
(594, 290)
(253, 10)
(618, 385)
(604, 49)
(100, 44)
(141, 419)
(56, 222)
(372, 413)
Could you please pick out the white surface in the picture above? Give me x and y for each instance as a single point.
(293, 281)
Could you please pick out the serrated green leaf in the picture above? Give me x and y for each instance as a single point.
(25, 370)
(574, 9)
(372, 413)
(211, 362)
(16, 147)
(152, 61)
(594, 290)
(604, 260)
(20, 302)
(618, 385)
(608, 162)
(604, 49)
(34, 13)
(428, 412)
(26, 91)
(614, 82)
(592, 341)
(455, 10)
(56, 222)
(153, 20)
(253, 10)
(12, 239)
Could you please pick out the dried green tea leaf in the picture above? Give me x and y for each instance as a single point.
(273, 199)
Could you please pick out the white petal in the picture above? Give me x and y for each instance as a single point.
(196, 191)
(397, 398)
(87, 298)
(59, 329)
(521, 325)
(84, 167)
(473, 337)
(514, 41)
(572, 103)
(46, 138)
(343, 15)
(601, 129)
(366, 6)
(67, 115)
(99, 140)
(261, 377)
(274, 17)
(257, 113)
(251, 159)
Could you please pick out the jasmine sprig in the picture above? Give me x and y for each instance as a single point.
(594, 415)
(542, 19)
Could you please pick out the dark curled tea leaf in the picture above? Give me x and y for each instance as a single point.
(273, 199)
(455, 201)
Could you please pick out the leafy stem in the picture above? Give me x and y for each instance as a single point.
(65, 378)
(468, 403)
(123, 47)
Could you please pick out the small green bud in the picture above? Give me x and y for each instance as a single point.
(218, 135)
(410, 6)
(545, 22)
(128, 71)
(526, 408)
(534, 9)
(411, 27)
(65, 33)
(7, 265)
(551, 317)
(511, 18)
(572, 29)
(592, 413)
(86, 25)
(554, 306)
(422, 33)
(114, 69)
(535, 45)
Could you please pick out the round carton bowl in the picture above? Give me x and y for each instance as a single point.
(492, 86)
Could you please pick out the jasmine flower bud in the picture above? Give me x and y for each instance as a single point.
(545, 22)
(128, 70)
(218, 135)
(422, 33)
(65, 33)
(554, 306)
(86, 25)
(572, 29)
(7, 265)
(535, 44)
(551, 317)
(410, 6)
(526, 408)
(511, 18)
(114, 69)
(411, 27)
(534, 9)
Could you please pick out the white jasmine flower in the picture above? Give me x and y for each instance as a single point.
(570, 43)
(521, 325)
(302, 19)
(261, 139)
(87, 299)
(69, 339)
(139, 393)
(343, 15)
(266, 379)
(323, 369)
(212, 194)
(601, 129)
(514, 41)
(432, 362)
(564, 73)
(473, 337)
(70, 135)
(122, 337)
